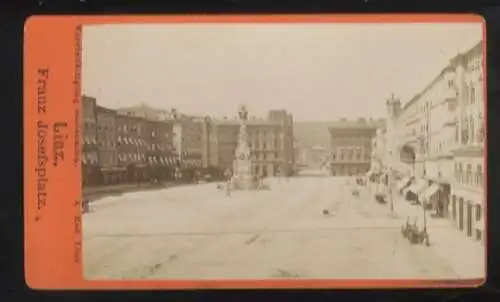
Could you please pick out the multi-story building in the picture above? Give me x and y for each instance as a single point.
(188, 133)
(161, 154)
(146, 112)
(468, 195)
(438, 139)
(89, 157)
(132, 147)
(270, 142)
(351, 147)
(106, 145)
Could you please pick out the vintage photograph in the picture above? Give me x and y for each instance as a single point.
(283, 151)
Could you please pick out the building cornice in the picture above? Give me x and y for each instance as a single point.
(472, 151)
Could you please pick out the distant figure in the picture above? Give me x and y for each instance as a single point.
(227, 175)
(325, 212)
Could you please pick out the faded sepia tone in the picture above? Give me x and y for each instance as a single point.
(264, 151)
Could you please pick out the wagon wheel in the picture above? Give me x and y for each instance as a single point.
(411, 237)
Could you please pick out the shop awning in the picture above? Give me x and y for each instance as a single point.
(403, 183)
(417, 188)
(429, 192)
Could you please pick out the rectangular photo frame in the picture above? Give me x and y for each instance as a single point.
(124, 174)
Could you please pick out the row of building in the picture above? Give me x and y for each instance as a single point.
(436, 142)
(138, 143)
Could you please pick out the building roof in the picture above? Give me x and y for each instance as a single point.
(457, 60)
(250, 122)
(355, 124)
(105, 110)
(319, 148)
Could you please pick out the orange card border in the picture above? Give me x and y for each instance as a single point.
(52, 222)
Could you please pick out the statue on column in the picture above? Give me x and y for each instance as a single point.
(242, 165)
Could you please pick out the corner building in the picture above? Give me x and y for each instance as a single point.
(351, 147)
(439, 140)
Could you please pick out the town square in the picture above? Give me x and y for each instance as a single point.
(302, 162)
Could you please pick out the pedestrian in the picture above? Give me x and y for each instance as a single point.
(228, 188)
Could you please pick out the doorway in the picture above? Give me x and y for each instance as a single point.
(469, 219)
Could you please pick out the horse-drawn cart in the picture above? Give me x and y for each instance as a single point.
(415, 227)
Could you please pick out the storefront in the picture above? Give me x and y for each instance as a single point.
(403, 184)
(437, 197)
(414, 191)
(467, 212)
(112, 175)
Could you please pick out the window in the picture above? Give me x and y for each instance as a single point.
(465, 131)
(478, 212)
(472, 95)
(480, 128)
(468, 176)
(471, 126)
(460, 175)
(480, 175)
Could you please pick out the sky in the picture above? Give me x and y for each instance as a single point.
(317, 72)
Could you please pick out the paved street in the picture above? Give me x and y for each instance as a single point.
(197, 232)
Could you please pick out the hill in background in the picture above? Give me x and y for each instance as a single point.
(310, 134)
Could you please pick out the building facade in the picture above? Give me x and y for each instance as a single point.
(468, 194)
(271, 143)
(351, 147)
(89, 156)
(132, 148)
(106, 140)
(437, 138)
(161, 155)
(188, 133)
